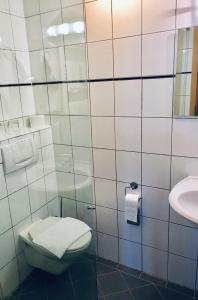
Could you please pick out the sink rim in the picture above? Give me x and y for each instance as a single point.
(179, 189)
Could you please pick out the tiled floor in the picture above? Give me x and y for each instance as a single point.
(113, 283)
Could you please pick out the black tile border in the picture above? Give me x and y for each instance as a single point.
(94, 80)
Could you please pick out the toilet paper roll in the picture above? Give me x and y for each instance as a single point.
(131, 207)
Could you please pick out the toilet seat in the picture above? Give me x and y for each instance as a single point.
(82, 243)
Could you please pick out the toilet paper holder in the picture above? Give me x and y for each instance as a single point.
(133, 185)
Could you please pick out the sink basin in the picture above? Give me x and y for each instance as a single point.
(184, 198)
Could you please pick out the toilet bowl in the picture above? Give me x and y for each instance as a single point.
(41, 258)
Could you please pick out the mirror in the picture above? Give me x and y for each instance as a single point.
(186, 79)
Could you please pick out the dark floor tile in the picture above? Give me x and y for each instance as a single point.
(86, 289)
(61, 292)
(172, 295)
(82, 270)
(104, 269)
(147, 293)
(120, 296)
(130, 271)
(180, 289)
(107, 262)
(152, 279)
(134, 282)
(112, 283)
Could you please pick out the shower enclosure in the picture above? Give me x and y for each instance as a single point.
(43, 59)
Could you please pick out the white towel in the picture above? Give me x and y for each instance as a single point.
(60, 236)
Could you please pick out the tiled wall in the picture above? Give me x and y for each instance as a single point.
(125, 127)
(108, 133)
(25, 196)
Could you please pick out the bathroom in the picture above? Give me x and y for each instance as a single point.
(98, 123)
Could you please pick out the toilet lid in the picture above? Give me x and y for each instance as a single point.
(40, 226)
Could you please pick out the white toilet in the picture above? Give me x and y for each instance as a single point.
(41, 258)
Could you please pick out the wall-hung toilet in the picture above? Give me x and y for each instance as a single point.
(39, 257)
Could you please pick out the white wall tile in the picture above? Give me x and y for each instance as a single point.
(157, 97)
(48, 159)
(128, 98)
(4, 216)
(153, 167)
(27, 100)
(74, 15)
(100, 59)
(76, 63)
(19, 33)
(155, 233)
(84, 188)
(16, 7)
(46, 137)
(83, 161)
(54, 207)
(158, 16)
(6, 35)
(31, 7)
(108, 247)
(86, 215)
(126, 18)
(4, 5)
(16, 180)
(35, 171)
(183, 241)
(186, 13)
(128, 133)
(156, 135)
(51, 186)
(98, 20)
(48, 21)
(81, 131)
(10, 271)
(7, 248)
(37, 194)
(155, 262)
(107, 220)
(130, 254)
(41, 99)
(183, 167)
(11, 104)
(155, 203)
(128, 166)
(24, 68)
(79, 103)
(158, 53)
(104, 163)
(58, 99)
(19, 205)
(66, 187)
(55, 64)
(102, 98)
(3, 190)
(184, 141)
(37, 65)
(42, 213)
(127, 231)
(47, 5)
(105, 191)
(34, 33)
(69, 208)
(61, 130)
(182, 271)
(127, 57)
(103, 135)
(8, 67)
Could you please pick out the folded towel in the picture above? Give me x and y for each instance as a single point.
(59, 237)
(40, 226)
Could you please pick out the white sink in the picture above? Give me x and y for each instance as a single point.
(184, 198)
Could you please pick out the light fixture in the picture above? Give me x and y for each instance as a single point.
(66, 28)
